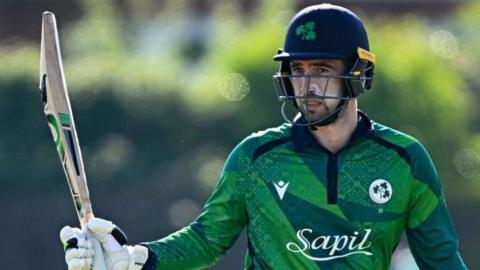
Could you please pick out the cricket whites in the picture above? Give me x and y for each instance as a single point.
(60, 118)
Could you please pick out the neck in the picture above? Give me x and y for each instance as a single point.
(336, 135)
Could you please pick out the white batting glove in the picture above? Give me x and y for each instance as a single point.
(117, 255)
(81, 251)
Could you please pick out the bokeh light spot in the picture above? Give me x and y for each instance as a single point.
(209, 172)
(234, 87)
(444, 43)
(467, 163)
(182, 212)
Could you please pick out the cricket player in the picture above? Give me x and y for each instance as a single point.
(328, 189)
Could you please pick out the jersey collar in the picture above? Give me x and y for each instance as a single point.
(302, 136)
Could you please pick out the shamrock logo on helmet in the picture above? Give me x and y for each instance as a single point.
(306, 31)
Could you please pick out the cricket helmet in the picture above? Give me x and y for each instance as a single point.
(327, 31)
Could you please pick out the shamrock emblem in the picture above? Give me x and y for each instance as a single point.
(380, 191)
(306, 31)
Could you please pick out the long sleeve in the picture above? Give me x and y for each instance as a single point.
(430, 232)
(206, 240)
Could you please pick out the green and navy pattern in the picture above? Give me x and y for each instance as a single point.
(303, 229)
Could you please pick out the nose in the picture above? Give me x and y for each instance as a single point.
(312, 89)
(317, 86)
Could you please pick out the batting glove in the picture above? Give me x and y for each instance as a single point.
(81, 252)
(117, 255)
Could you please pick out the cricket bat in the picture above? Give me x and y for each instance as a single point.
(59, 116)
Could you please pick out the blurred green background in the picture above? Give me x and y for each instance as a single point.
(163, 90)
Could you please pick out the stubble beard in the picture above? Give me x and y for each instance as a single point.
(316, 110)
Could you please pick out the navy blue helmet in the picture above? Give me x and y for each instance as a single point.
(327, 31)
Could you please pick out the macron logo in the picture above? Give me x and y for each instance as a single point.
(281, 188)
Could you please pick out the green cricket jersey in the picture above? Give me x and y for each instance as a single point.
(306, 208)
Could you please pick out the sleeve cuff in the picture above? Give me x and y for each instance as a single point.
(151, 260)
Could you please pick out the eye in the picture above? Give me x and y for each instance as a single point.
(322, 70)
(297, 70)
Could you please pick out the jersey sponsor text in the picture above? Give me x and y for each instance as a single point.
(332, 244)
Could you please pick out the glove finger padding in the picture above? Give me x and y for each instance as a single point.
(80, 264)
(83, 250)
(75, 253)
(74, 238)
(78, 249)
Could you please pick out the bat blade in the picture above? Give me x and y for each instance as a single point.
(60, 118)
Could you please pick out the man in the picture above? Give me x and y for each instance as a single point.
(330, 189)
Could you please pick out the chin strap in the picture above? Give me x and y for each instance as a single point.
(324, 121)
(330, 118)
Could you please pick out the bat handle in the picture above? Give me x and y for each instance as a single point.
(86, 217)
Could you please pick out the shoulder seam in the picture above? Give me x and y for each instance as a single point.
(402, 152)
(262, 149)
